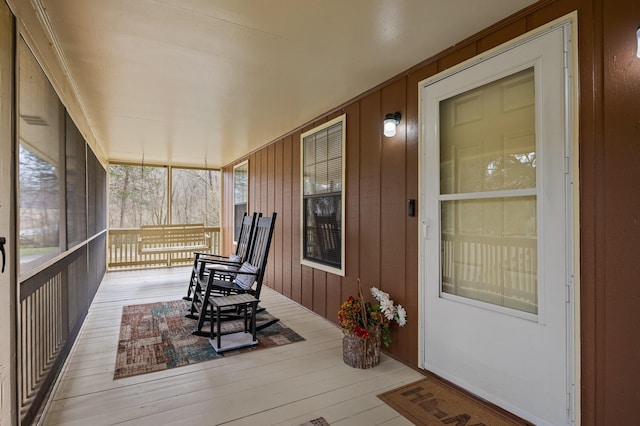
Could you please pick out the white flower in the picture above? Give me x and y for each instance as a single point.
(379, 294)
(387, 308)
(402, 315)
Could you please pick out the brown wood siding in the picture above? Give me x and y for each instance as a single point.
(277, 206)
(370, 136)
(352, 207)
(621, 213)
(285, 216)
(381, 244)
(296, 268)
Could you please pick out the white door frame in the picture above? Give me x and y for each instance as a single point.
(8, 296)
(572, 207)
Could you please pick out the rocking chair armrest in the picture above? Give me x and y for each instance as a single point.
(221, 270)
(204, 253)
(220, 262)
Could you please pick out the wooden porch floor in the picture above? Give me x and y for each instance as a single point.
(285, 385)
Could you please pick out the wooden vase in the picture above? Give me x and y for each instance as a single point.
(361, 352)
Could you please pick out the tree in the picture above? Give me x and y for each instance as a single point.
(138, 196)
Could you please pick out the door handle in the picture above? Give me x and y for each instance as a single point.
(3, 240)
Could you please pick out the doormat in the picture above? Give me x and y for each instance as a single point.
(158, 336)
(431, 401)
(320, 421)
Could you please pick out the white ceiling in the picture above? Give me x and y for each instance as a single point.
(203, 82)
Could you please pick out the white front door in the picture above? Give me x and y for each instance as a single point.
(7, 278)
(495, 255)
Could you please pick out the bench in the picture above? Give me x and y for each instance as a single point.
(167, 239)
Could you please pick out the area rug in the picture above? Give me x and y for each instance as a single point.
(158, 336)
(431, 401)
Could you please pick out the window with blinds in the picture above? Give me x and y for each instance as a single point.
(322, 207)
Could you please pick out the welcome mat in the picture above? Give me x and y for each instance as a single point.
(320, 421)
(431, 401)
(158, 336)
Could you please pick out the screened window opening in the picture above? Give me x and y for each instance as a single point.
(139, 196)
(322, 209)
(41, 166)
(195, 196)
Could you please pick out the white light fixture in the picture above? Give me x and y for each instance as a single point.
(390, 123)
(638, 37)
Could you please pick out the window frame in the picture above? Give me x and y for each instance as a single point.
(244, 163)
(305, 260)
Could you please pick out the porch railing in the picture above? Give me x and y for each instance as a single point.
(123, 251)
(53, 305)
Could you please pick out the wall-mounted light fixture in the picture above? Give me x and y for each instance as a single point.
(390, 123)
(638, 42)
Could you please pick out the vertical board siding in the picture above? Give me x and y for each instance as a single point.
(382, 243)
(394, 207)
(370, 138)
(319, 302)
(381, 246)
(592, 223)
(286, 222)
(277, 206)
(296, 268)
(352, 186)
(268, 208)
(392, 196)
(621, 210)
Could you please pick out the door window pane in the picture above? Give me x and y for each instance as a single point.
(487, 137)
(489, 251)
(487, 143)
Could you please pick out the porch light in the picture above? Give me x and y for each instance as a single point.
(390, 123)
(638, 37)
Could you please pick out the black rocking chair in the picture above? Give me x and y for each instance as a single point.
(246, 280)
(226, 265)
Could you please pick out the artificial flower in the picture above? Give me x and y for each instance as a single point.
(356, 315)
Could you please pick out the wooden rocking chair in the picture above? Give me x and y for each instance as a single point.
(227, 265)
(247, 280)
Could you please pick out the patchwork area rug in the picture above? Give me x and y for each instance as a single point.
(158, 336)
(431, 401)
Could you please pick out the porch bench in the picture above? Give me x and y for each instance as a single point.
(167, 239)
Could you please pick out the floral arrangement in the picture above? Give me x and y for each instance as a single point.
(357, 315)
